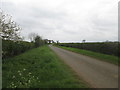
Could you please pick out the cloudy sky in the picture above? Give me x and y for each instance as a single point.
(65, 20)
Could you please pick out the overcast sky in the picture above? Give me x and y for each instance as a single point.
(65, 20)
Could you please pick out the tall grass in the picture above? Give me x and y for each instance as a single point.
(38, 68)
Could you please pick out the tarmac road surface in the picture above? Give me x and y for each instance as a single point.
(98, 74)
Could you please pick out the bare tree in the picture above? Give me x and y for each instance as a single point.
(32, 36)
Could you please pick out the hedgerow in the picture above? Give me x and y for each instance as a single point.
(110, 48)
(11, 48)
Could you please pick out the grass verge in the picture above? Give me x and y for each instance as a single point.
(104, 57)
(38, 68)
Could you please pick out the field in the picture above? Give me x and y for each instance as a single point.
(104, 57)
(38, 68)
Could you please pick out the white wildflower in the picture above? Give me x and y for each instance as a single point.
(28, 81)
(13, 77)
(29, 73)
(19, 71)
(20, 83)
(24, 69)
(20, 74)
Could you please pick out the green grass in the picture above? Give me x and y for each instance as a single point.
(104, 57)
(39, 68)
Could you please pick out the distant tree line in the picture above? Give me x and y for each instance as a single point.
(38, 40)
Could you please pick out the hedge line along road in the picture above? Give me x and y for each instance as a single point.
(98, 74)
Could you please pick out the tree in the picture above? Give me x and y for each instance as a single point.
(9, 30)
(38, 41)
(32, 36)
(49, 41)
(83, 41)
(53, 41)
(46, 41)
(57, 42)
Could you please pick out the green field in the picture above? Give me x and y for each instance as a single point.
(39, 68)
(104, 57)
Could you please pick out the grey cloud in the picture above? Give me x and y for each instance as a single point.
(44, 13)
(63, 25)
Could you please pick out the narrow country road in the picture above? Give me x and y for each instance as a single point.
(97, 73)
